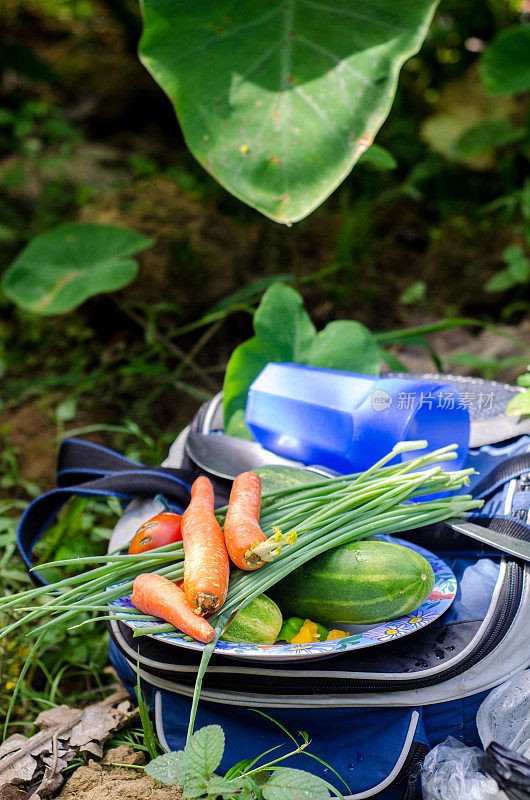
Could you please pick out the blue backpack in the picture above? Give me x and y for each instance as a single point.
(372, 715)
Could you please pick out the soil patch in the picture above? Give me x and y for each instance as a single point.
(100, 781)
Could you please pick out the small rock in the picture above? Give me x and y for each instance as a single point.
(124, 754)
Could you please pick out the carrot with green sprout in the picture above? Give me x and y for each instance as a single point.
(241, 528)
(243, 536)
(153, 594)
(206, 564)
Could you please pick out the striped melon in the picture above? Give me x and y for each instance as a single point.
(258, 623)
(358, 584)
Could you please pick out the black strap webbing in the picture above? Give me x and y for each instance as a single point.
(508, 469)
(89, 470)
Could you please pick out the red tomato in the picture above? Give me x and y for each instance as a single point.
(160, 530)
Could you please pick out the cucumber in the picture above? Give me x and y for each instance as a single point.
(358, 584)
(275, 478)
(258, 623)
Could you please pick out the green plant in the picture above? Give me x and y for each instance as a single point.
(506, 62)
(487, 367)
(60, 269)
(516, 273)
(284, 332)
(194, 769)
(260, 91)
(520, 404)
(150, 740)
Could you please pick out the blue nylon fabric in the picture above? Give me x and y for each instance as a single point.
(486, 458)
(368, 739)
(456, 718)
(364, 751)
(476, 577)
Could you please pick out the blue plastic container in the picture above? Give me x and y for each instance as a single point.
(346, 421)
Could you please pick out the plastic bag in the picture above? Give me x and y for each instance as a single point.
(504, 716)
(452, 771)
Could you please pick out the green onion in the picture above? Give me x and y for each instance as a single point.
(324, 514)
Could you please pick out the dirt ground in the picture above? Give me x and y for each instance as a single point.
(105, 781)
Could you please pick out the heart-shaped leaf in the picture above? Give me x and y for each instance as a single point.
(285, 333)
(60, 269)
(347, 345)
(204, 751)
(278, 100)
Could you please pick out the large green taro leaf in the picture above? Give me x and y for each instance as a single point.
(278, 100)
(60, 269)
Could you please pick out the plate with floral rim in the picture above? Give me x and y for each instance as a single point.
(361, 636)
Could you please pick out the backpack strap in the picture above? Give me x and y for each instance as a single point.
(501, 474)
(504, 472)
(89, 470)
(80, 461)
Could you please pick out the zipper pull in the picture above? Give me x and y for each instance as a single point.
(411, 789)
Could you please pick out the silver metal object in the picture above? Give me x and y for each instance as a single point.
(500, 541)
(497, 429)
(228, 456)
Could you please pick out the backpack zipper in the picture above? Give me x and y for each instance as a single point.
(411, 770)
(507, 606)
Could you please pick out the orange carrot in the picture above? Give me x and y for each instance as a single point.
(156, 595)
(241, 527)
(206, 564)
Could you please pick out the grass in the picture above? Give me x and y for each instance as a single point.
(68, 666)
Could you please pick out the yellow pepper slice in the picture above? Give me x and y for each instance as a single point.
(334, 634)
(307, 634)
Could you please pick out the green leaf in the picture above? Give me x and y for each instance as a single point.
(194, 786)
(238, 427)
(221, 787)
(278, 100)
(60, 269)
(524, 380)
(501, 281)
(517, 271)
(378, 157)
(245, 364)
(282, 325)
(345, 345)
(490, 134)
(517, 262)
(168, 768)
(413, 293)
(204, 751)
(506, 62)
(392, 361)
(519, 405)
(294, 784)
(285, 333)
